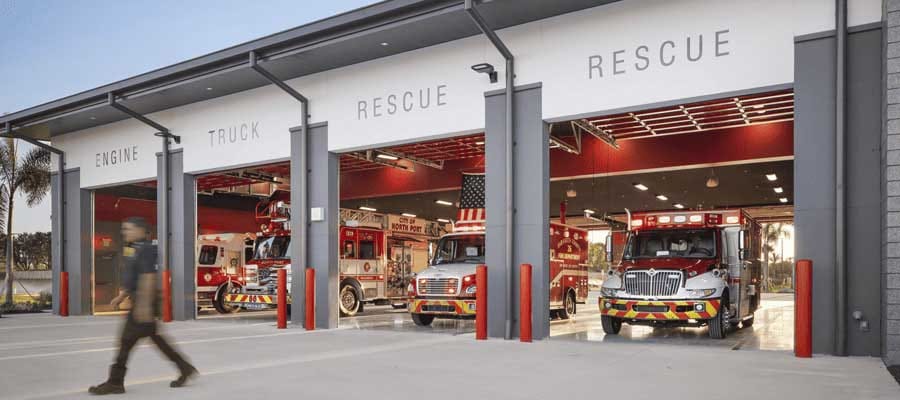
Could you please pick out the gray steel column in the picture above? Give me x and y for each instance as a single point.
(863, 193)
(78, 246)
(182, 235)
(530, 200)
(890, 277)
(323, 234)
(814, 176)
(840, 217)
(56, 242)
(298, 225)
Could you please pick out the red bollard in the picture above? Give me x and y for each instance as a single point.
(803, 309)
(525, 303)
(310, 299)
(281, 292)
(63, 294)
(481, 311)
(167, 295)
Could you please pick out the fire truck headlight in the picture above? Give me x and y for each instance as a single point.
(471, 289)
(608, 292)
(701, 293)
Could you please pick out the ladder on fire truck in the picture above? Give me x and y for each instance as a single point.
(363, 218)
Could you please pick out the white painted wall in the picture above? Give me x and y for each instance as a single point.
(378, 102)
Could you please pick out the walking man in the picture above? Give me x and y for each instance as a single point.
(139, 283)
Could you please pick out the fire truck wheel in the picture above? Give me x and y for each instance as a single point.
(400, 306)
(554, 315)
(350, 303)
(568, 310)
(611, 325)
(718, 326)
(423, 319)
(219, 301)
(747, 322)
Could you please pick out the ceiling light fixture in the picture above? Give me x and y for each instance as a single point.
(779, 190)
(772, 177)
(385, 44)
(588, 211)
(571, 192)
(408, 215)
(208, 89)
(783, 200)
(93, 118)
(678, 206)
(713, 181)
(662, 197)
(367, 208)
(443, 220)
(387, 157)
(443, 202)
(640, 186)
(485, 68)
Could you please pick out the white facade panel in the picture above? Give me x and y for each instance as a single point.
(620, 55)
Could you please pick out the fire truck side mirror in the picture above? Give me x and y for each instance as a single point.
(744, 252)
(609, 248)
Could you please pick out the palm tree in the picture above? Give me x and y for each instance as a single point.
(28, 174)
(771, 234)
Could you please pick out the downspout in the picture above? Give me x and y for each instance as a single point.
(510, 88)
(303, 262)
(165, 134)
(61, 212)
(840, 258)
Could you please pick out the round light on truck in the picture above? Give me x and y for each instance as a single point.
(471, 289)
(207, 277)
(699, 306)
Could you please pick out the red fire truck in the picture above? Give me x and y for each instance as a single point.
(377, 259)
(220, 258)
(685, 269)
(446, 289)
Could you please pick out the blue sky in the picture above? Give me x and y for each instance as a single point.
(54, 48)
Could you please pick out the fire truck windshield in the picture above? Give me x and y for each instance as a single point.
(460, 249)
(274, 247)
(694, 243)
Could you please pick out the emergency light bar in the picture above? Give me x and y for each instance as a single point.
(725, 217)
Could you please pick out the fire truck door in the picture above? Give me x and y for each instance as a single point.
(738, 272)
(399, 270)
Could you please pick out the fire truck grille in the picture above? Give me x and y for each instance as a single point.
(439, 287)
(652, 282)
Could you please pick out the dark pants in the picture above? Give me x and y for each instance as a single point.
(131, 334)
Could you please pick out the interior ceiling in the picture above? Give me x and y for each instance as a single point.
(732, 112)
(433, 153)
(739, 186)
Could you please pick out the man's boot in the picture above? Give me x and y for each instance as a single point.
(114, 385)
(187, 372)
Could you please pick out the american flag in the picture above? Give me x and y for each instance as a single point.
(471, 201)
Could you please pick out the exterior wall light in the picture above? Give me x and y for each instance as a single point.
(485, 68)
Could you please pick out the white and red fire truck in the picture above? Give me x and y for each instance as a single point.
(220, 258)
(379, 253)
(685, 269)
(446, 289)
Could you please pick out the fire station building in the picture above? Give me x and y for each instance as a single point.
(797, 101)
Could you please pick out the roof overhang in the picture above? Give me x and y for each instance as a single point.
(334, 42)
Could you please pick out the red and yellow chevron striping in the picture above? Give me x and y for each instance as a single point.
(659, 310)
(252, 298)
(457, 307)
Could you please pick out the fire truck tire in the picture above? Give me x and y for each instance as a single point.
(611, 325)
(422, 319)
(718, 327)
(747, 322)
(350, 300)
(554, 315)
(219, 302)
(400, 306)
(568, 310)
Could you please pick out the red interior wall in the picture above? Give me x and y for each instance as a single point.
(721, 146)
(211, 220)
